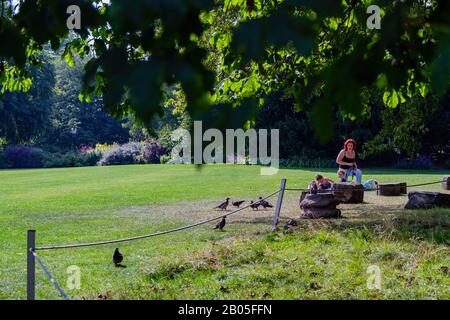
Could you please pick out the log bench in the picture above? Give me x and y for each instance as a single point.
(446, 183)
(392, 189)
(427, 200)
(319, 205)
(348, 193)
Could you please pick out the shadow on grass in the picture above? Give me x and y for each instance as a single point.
(402, 225)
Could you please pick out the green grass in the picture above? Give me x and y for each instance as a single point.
(319, 260)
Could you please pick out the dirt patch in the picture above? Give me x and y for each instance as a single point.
(192, 211)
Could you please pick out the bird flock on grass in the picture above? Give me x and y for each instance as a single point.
(117, 257)
(254, 205)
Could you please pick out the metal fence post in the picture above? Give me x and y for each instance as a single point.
(279, 202)
(31, 271)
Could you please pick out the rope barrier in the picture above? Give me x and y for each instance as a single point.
(424, 184)
(90, 244)
(319, 191)
(49, 276)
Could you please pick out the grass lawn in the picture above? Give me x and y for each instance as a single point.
(320, 259)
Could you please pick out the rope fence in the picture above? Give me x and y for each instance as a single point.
(376, 189)
(90, 244)
(49, 276)
(32, 256)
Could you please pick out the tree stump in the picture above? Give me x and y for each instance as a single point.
(303, 195)
(446, 183)
(427, 200)
(320, 205)
(348, 193)
(403, 188)
(389, 189)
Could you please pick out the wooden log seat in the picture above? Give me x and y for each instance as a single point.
(403, 188)
(390, 189)
(446, 183)
(320, 205)
(427, 200)
(347, 192)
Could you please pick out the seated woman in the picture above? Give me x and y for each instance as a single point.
(346, 160)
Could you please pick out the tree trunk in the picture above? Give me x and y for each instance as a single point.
(389, 189)
(348, 193)
(446, 183)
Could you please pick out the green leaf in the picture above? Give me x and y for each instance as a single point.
(391, 98)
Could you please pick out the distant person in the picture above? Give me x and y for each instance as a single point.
(370, 184)
(341, 175)
(346, 160)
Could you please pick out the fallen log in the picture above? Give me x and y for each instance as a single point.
(427, 200)
(446, 183)
(389, 189)
(403, 188)
(348, 193)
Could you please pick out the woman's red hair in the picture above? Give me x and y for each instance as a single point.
(347, 142)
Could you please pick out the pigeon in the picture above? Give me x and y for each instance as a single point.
(223, 205)
(265, 204)
(254, 205)
(286, 229)
(221, 224)
(117, 257)
(238, 203)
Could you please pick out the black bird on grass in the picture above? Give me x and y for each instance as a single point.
(117, 258)
(265, 204)
(223, 205)
(221, 224)
(254, 205)
(238, 203)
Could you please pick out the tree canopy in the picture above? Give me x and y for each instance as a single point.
(227, 56)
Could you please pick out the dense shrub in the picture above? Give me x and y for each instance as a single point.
(447, 164)
(305, 162)
(70, 159)
(129, 153)
(152, 152)
(165, 159)
(133, 153)
(2, 158)
(420, 162)
(18, 156)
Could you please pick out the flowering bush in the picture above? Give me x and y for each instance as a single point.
(129, 153)
(103, 148)
(18, 156)
(152, 152)
(86, 149)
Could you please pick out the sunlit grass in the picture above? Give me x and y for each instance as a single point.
(320, 260)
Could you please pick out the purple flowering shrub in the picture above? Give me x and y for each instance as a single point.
(18, 156)
(152, 152)
(129, 153)
(133, 153)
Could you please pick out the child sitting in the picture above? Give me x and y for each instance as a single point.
(323, 183)
(342, 176)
